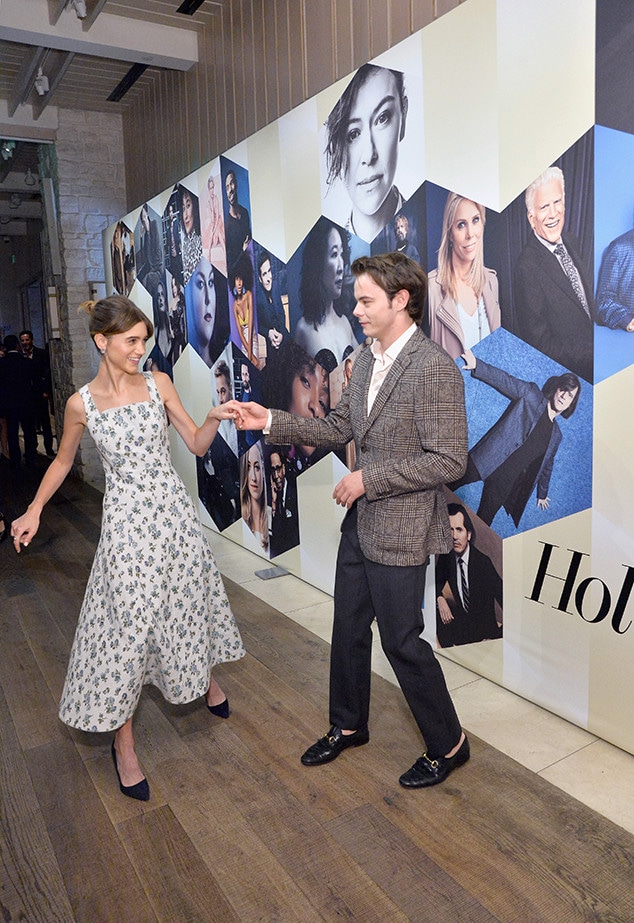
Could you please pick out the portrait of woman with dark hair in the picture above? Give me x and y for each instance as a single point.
(206, 306)
(162, 330)
(177, 320)
(241, 279)
(117, 257)
(363, 135)
(191, 243)
(129, 260)
(300, 385)
(518, 452)
(462, 293)
(323, 325)
(149, 256)
(253, 494)
(172, 236)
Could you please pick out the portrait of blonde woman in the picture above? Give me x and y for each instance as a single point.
(253, 495)
(463, 302)
(213, 225)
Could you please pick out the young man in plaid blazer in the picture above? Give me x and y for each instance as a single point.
(404, 408)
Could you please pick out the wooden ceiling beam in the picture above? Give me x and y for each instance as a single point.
(54, 79)
(55, 10)
(25, 78)
(110, 36)
(93, 12)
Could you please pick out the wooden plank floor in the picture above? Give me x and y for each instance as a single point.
(237, 829)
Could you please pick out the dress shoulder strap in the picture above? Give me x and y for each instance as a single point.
(89, 405)
(153, 390)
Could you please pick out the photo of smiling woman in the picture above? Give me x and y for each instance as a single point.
(206, 302)
(323, 325)
(463, 303)
(363, 133)
(253, 494)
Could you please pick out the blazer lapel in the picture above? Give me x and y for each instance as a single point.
(558, 276)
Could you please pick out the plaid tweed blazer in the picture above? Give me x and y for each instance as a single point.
(412, 442)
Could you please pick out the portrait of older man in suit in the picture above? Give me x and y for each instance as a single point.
(552, 288)
(404, 408)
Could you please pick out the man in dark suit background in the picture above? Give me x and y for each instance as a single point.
(43, 385)
(271, 317)
(552, 288)
(19, 392)
(404, 408)
(237, 222)
(467, 587)
(284, 521)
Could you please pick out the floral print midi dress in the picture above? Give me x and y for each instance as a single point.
(155, 610)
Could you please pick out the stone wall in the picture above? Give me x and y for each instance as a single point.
(88, 171)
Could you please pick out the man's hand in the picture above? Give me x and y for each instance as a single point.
(445, 613)
(349, 489)
(248, 415)
(543, 504)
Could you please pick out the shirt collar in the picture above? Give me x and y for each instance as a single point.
(465, 554)
(390, 354)
(547, 243)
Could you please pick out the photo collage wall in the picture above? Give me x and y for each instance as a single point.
(251, 295)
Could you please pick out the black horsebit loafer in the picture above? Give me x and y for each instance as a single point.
(427, 771)
(331, 744)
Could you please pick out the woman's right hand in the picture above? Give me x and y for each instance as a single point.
(221, 412)
(23, 529)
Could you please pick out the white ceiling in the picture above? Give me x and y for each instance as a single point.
(83, 61)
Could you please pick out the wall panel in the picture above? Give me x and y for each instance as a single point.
(258, 60)
(240, 52)
(566, 557)
(320, 63)
(343, 39)
(379, 27)
(423, 12)
(268, 50)
(297, 38)
(360, 32)
(400, 24)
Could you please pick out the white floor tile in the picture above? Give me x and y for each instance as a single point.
(532, 736)
(602, 777)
